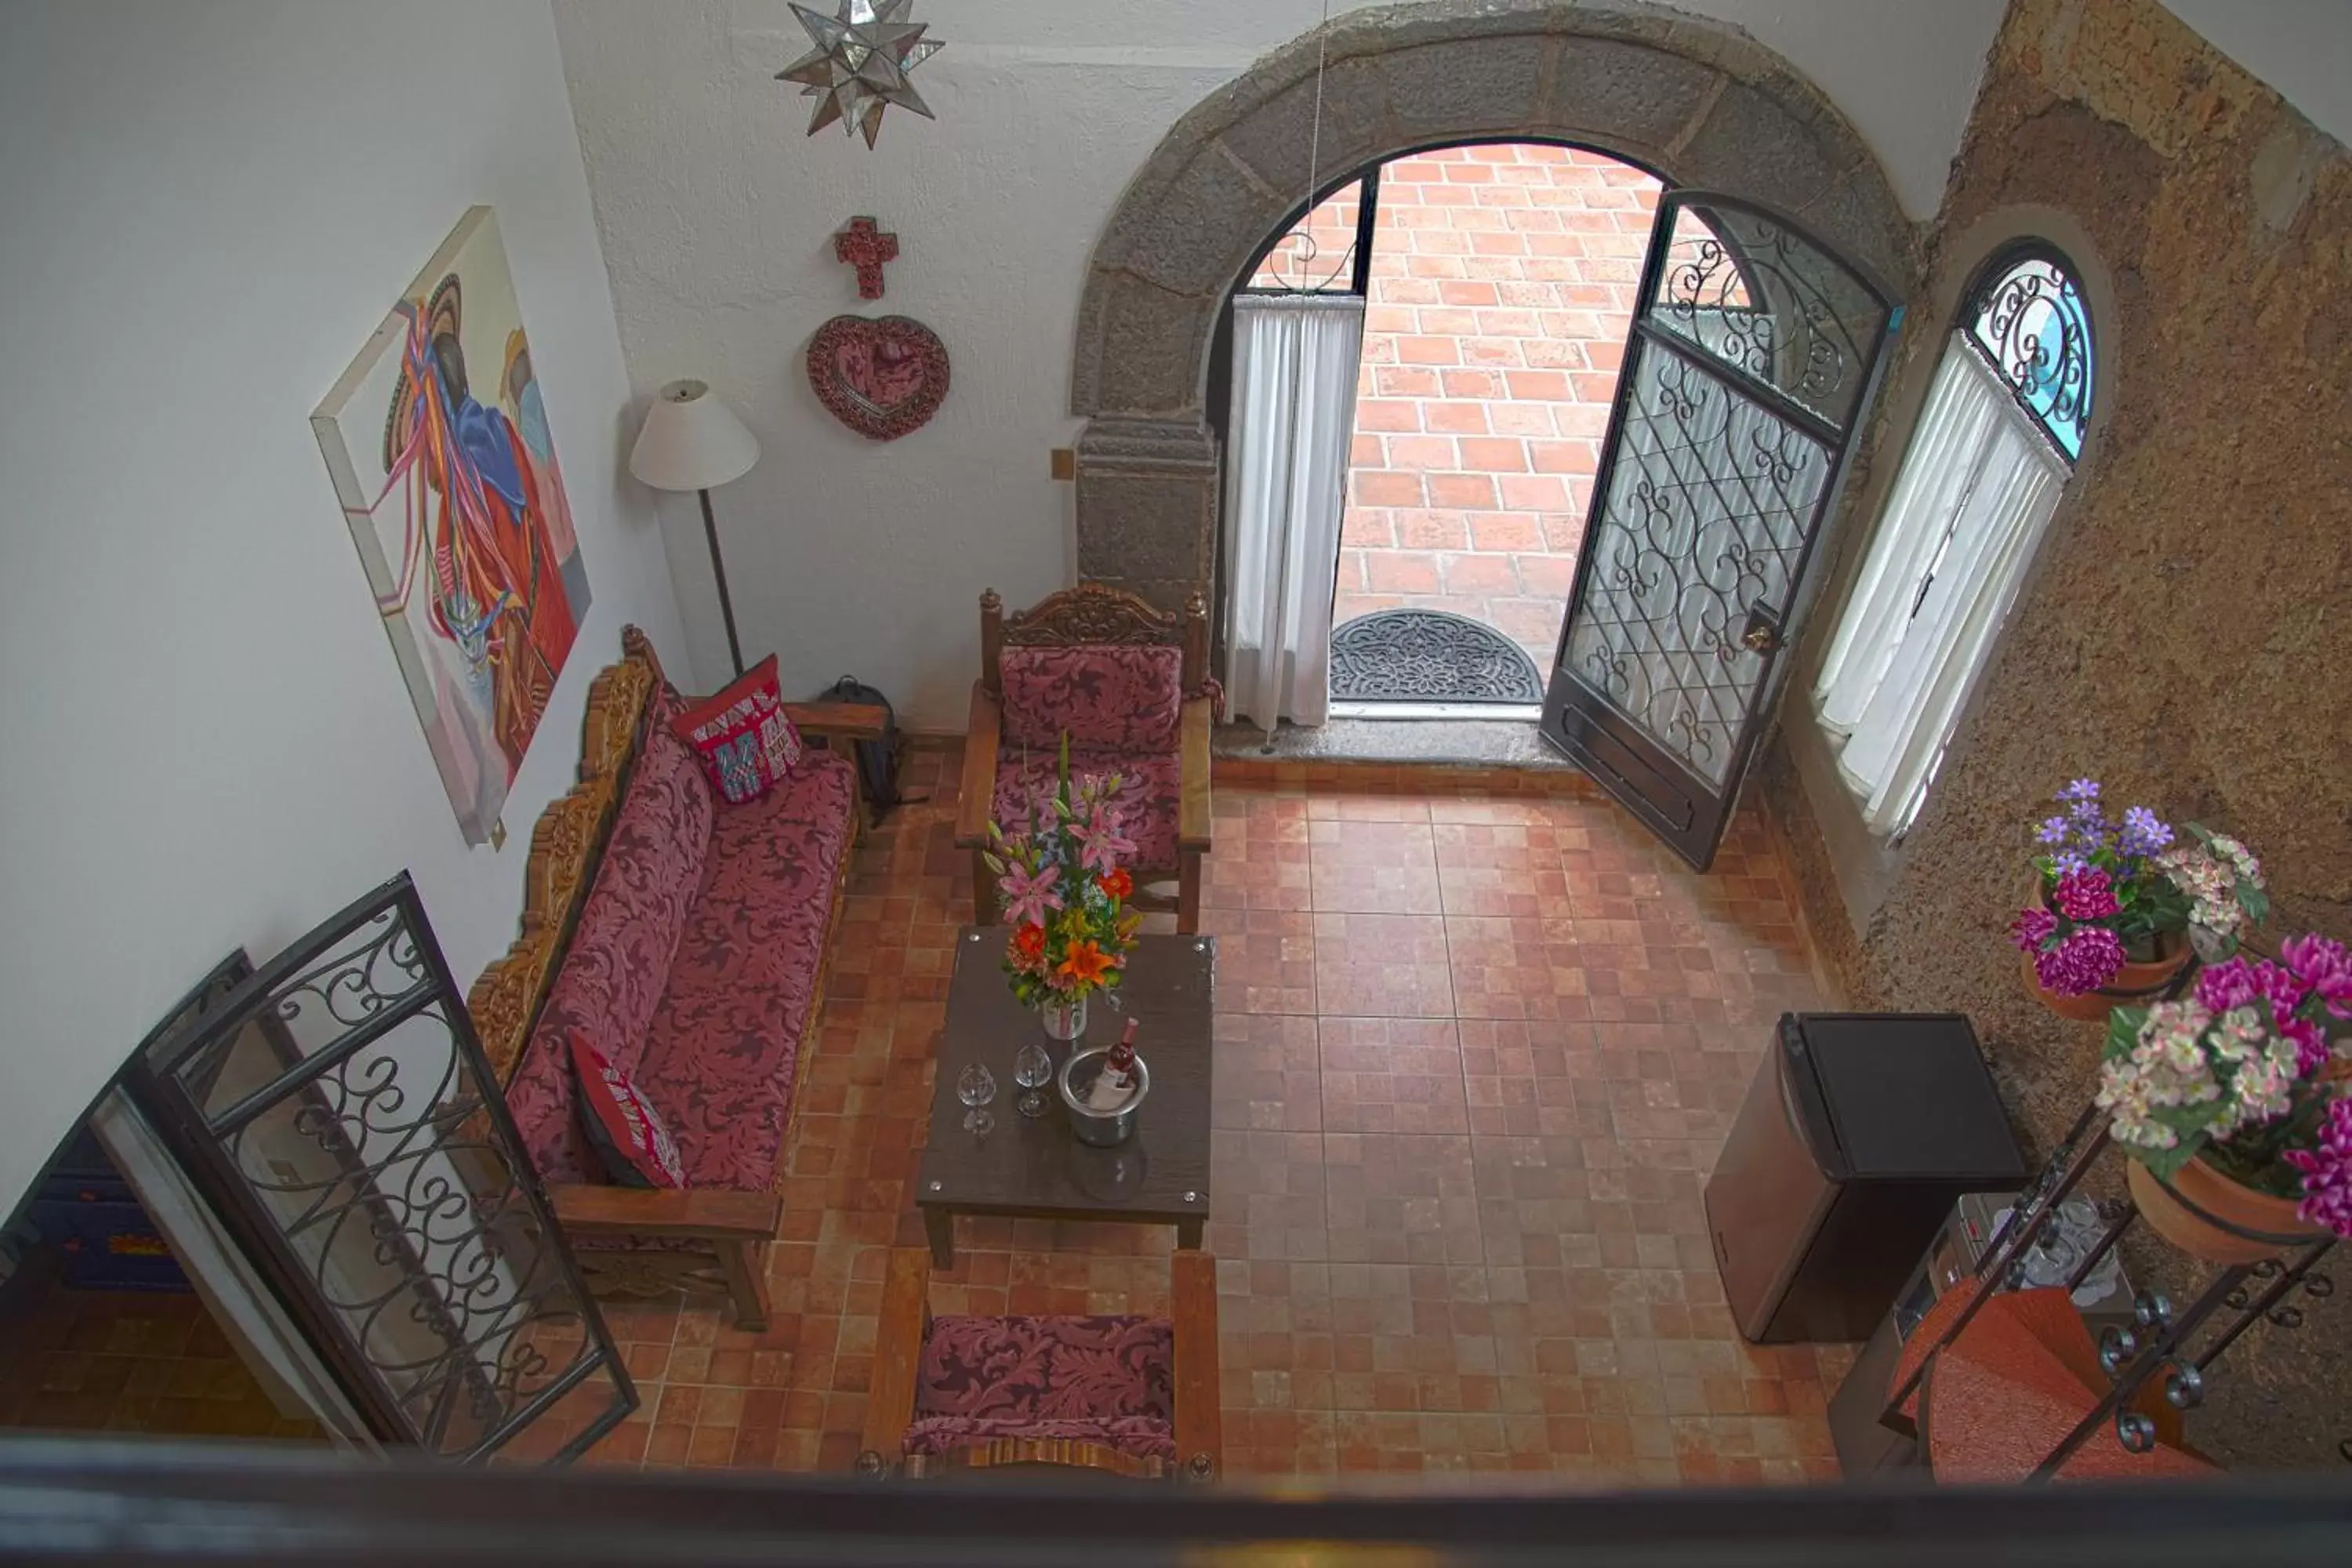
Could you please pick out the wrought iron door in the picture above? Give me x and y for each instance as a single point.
(338, 1108)
(1751, 359)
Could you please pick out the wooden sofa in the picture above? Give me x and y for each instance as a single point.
(689, 940)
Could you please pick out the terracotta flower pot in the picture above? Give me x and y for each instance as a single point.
(2135, 985)
(2222, 1198)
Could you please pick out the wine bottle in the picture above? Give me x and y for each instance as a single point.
(1119, 1062)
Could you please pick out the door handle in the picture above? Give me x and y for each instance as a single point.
(1762, 632)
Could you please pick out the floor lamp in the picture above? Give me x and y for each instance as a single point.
(691, 441)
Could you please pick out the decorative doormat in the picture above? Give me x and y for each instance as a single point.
(1429, 656)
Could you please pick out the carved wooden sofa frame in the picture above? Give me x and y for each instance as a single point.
(906, 1322)
(726, 1232)
(1093, 614)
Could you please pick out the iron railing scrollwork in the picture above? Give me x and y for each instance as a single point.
(347, 1120)
(2028, 319)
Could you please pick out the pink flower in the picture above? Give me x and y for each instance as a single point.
(1103, 842)
(2328, 1172)
(2031, 928)
(2323, 966)
(2085, 895)
(1029, 896)
(2243, 980)
(2087, 960)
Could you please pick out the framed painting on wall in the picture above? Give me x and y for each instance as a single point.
(437, 442)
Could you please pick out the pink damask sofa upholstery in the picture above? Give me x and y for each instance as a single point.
(1129, 686)
(1129, 1394)
(689, 942)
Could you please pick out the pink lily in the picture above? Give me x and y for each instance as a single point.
(1103, 841)
(1029, 896)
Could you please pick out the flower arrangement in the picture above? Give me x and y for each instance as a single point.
(2243, 1073)
(1065, 894)
(2112, 887)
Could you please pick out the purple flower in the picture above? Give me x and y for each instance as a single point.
(2143, 833)
(2053, 830)
(2085, 895)
(1029, 896)
(2328, 1172)
(2087, 960)
(2081, 792)
(2030, 929)
(2323, 966)
(2066, 863)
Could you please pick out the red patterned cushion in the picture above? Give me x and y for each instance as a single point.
(1107, 694)
(1145, 1436)
(622, 1124)
(720, 1056)
(1150, 786)
(745, 740)
(1047, 1369)
(620, 953)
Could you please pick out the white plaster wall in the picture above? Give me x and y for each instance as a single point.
(203, 736)
(846, 555)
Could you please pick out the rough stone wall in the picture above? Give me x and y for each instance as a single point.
(2187, 634)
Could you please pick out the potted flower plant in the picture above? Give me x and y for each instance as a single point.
(2119, 902)
(2232, 1102)
(1064, 894)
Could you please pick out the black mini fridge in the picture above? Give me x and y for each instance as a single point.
(1859, 1132)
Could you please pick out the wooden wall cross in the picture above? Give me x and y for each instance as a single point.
(862, 247)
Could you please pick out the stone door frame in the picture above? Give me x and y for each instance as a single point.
(1700, 103)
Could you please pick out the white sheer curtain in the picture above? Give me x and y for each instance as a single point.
(1294, 412)
(1976, 489)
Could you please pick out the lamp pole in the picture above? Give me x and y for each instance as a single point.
(718, 574)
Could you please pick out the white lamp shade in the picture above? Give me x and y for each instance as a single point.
(691, 441)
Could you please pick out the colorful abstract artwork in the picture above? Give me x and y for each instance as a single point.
(437, 438)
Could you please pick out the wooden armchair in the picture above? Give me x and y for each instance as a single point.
(1129, 686)
(986, 1394)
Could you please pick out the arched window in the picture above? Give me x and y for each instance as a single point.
(1994, 446)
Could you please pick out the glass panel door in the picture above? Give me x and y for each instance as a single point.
(1751, 356)
(338, 1108)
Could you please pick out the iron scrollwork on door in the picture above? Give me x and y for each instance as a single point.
(1747, 369)
(349, 1125)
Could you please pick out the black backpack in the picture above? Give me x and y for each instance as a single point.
(878, 761)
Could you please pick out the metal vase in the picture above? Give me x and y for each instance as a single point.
(1064, 1020)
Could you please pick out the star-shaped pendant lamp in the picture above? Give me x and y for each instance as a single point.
(860, 65)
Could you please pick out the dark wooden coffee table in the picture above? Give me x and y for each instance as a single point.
(1033, 1167)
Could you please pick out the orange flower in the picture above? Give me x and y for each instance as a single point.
(1117, 883)
(1029, 947)
(1084, 965)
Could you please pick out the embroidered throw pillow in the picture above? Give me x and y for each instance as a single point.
(627, 1132)
(745, 740)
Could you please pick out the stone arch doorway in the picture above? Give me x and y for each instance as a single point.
(1695, 101)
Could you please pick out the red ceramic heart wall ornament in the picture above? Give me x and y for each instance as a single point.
(880, 375)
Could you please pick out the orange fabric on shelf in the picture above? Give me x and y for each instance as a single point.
(1999, 1398)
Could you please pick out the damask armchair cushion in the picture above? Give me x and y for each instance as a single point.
(1107, 1380)
(1144, 809)
(1109, 695)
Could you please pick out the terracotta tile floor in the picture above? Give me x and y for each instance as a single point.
(1475, 1052)
(121, 1361)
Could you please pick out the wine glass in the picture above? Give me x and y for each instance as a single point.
(1032, 1069)
(976, 1086)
